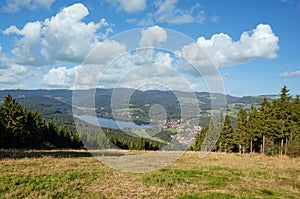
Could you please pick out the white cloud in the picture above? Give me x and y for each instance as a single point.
(96, 63)
(168, 12)
(290, 74)
(67, 38)
(215, 18)
(13, 73)
(1, 56)
(152, 36)
(105, 52)
(260, 43)
(61, 77)
(195, 55)
(87, 75)
(129, 6)
(27, 49)
(15, 5)
(139, 70)
(63, 37)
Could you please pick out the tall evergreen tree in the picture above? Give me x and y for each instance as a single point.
(13, 120)
(241, 136)
(200, 138)
(293, 145)
(284, 117)
(226, 137)
(264, 124)
(253, 129)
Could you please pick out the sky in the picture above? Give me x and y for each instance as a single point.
(236, 47)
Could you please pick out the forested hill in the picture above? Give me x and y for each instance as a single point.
(57, 104)
(65, 95)
(22, 128)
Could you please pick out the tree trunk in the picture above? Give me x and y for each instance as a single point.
(240, 149)
(263, 144)
(251, 146)
(243, 150)
(281, 146)
(286, 143)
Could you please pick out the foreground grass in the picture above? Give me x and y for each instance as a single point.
(75, 174)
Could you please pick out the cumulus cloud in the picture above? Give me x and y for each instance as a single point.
(260, 43)
(13, 73)
(129, 6)
(151, 72)
(67, 38)
(13, 6)
(152, 36)
(195, 55)
(86, 75)
(105, 52)
(61, 77)
(27, 49)
(168, 12)
(96, 63)
(63, 37)
(290, 73)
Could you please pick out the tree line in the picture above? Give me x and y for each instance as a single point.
(20, 128)
(105, 138)
(271, 128)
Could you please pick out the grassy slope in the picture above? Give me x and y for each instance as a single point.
(77, 175)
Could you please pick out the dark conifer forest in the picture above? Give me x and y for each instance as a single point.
(271, 128)
(20, 128)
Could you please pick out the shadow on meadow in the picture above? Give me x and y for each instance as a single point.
(19, 154)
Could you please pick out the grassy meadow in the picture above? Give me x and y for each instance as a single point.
(76, 174)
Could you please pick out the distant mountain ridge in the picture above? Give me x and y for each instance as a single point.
(66, 95)
(57, 103)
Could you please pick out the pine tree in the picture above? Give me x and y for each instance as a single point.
(284, 117)
(241, 136)
(226, 137)
(264, 124)
(200, 138)
(293, 145)
(253, 128)
(13, 119)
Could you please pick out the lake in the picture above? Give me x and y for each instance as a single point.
(110, 123)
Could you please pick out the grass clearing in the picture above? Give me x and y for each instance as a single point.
(75, 174)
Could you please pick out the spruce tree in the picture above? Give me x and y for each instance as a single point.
(227, 135)
(241, 136)
(284, 117)
(200, 138)
(253, 129)
(264, 124)
(293, 145)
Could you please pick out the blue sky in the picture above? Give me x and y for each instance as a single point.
(253, 44)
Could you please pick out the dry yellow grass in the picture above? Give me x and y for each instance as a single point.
(215, 176)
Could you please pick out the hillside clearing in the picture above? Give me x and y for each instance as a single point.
(75, 174)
